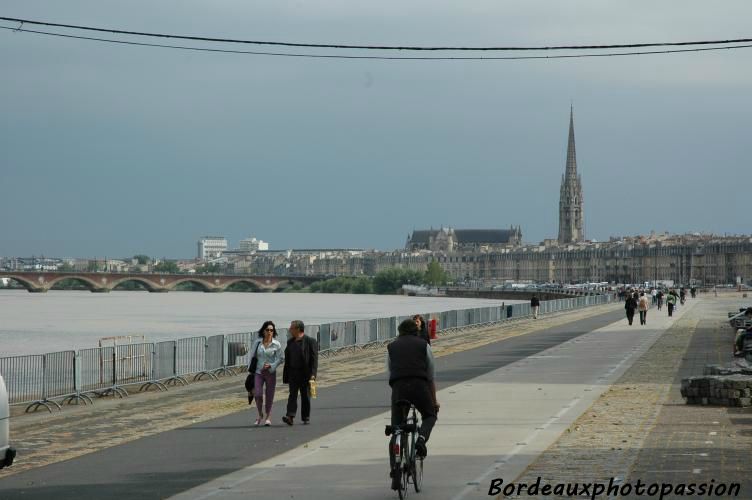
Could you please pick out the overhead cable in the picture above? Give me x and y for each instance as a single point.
(380, 47)
(404, 58)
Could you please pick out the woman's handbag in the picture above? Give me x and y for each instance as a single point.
(250, 380)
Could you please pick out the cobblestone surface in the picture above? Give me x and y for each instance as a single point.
(641, 429)
(43, 438)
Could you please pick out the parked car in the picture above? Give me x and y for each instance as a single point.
(7, 453)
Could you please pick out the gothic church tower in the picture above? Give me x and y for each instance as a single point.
(571, 225)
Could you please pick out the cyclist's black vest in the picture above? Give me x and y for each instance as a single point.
(407, 358)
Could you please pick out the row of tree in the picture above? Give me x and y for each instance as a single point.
(388, 281)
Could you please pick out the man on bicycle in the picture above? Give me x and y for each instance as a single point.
(410, 366)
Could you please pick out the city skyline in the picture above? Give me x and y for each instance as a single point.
(112, 150)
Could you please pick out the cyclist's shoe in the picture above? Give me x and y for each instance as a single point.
(420, 447)
(388, 430)
(395, 480)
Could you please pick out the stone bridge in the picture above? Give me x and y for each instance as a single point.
(40, 282)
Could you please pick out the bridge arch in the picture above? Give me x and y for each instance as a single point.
(27, 284)
(255, 285)
(145, 283)
(204, 285)
(88, 283)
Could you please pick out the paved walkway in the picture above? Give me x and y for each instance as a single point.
(167, 463)
(490, 426)
(641, 429)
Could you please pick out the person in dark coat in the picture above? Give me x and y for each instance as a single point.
(535, 306)
(630, 304)
(301, 364)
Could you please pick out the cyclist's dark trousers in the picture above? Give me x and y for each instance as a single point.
(299, 384)
(670, 309)
(418, 392)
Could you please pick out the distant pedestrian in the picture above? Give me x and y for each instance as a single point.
(630, 304)
(659, 299)
(643, 305)
(654, 294)
(535, 306)
(301, 364)
(422, 328)
(270, 355)
(682, 295)
(671, 302)
(693, 292)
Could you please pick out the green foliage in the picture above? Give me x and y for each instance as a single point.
(210, 268)
(391, 280)
(66, 268)
(343, 284)
(166, 266)
(94, 266)
(142, 259)
(435, 275)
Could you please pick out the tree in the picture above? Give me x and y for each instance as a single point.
(166, 266)
(435, 275)
(391, 280)
(142, 259)
(209, 268)
(65, 267)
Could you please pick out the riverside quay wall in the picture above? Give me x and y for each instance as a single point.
(701, 260)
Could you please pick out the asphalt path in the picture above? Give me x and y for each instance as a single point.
(166, 464)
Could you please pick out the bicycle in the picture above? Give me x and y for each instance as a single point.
(405, 464)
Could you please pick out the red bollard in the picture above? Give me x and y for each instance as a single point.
(432, 328)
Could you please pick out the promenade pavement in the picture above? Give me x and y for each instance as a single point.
(490, 426)
(642, 430)
(505, 405)
(166, 463)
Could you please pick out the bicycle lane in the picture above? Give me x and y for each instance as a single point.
(490, 426)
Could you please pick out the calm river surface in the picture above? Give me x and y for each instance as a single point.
(33, 323)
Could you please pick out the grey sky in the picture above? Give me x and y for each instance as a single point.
(114, 150)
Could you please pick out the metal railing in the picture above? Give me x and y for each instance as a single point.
(75, 376)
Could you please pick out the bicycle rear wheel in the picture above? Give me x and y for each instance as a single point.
(405, 467)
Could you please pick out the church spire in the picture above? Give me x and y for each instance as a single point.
(571, 151)
(571, 224)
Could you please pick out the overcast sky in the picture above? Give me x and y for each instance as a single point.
(112, 150)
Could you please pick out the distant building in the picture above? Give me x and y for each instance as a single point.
(571, 219)
(211, 247)
(464, 240)
(253, 245)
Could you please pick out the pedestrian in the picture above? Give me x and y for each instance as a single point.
(422, 328)
(301, 364)
(630, 304)
(535, 306)
(682, 295)
(670, 302)
(659, 297)
(270, 355)
(654, 294)
(643, 305)
(693, 292)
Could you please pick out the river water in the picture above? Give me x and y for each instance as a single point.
(32, 323)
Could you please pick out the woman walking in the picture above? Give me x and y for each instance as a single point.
(422, 328)
(643, 305)
(269, 355)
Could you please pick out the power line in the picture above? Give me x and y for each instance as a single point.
(398, 58)
(381, 47)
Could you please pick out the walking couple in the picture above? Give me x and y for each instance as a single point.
(300, 358)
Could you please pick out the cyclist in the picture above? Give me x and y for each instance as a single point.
(410, 366)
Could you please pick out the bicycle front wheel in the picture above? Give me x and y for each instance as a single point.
(417, 473)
